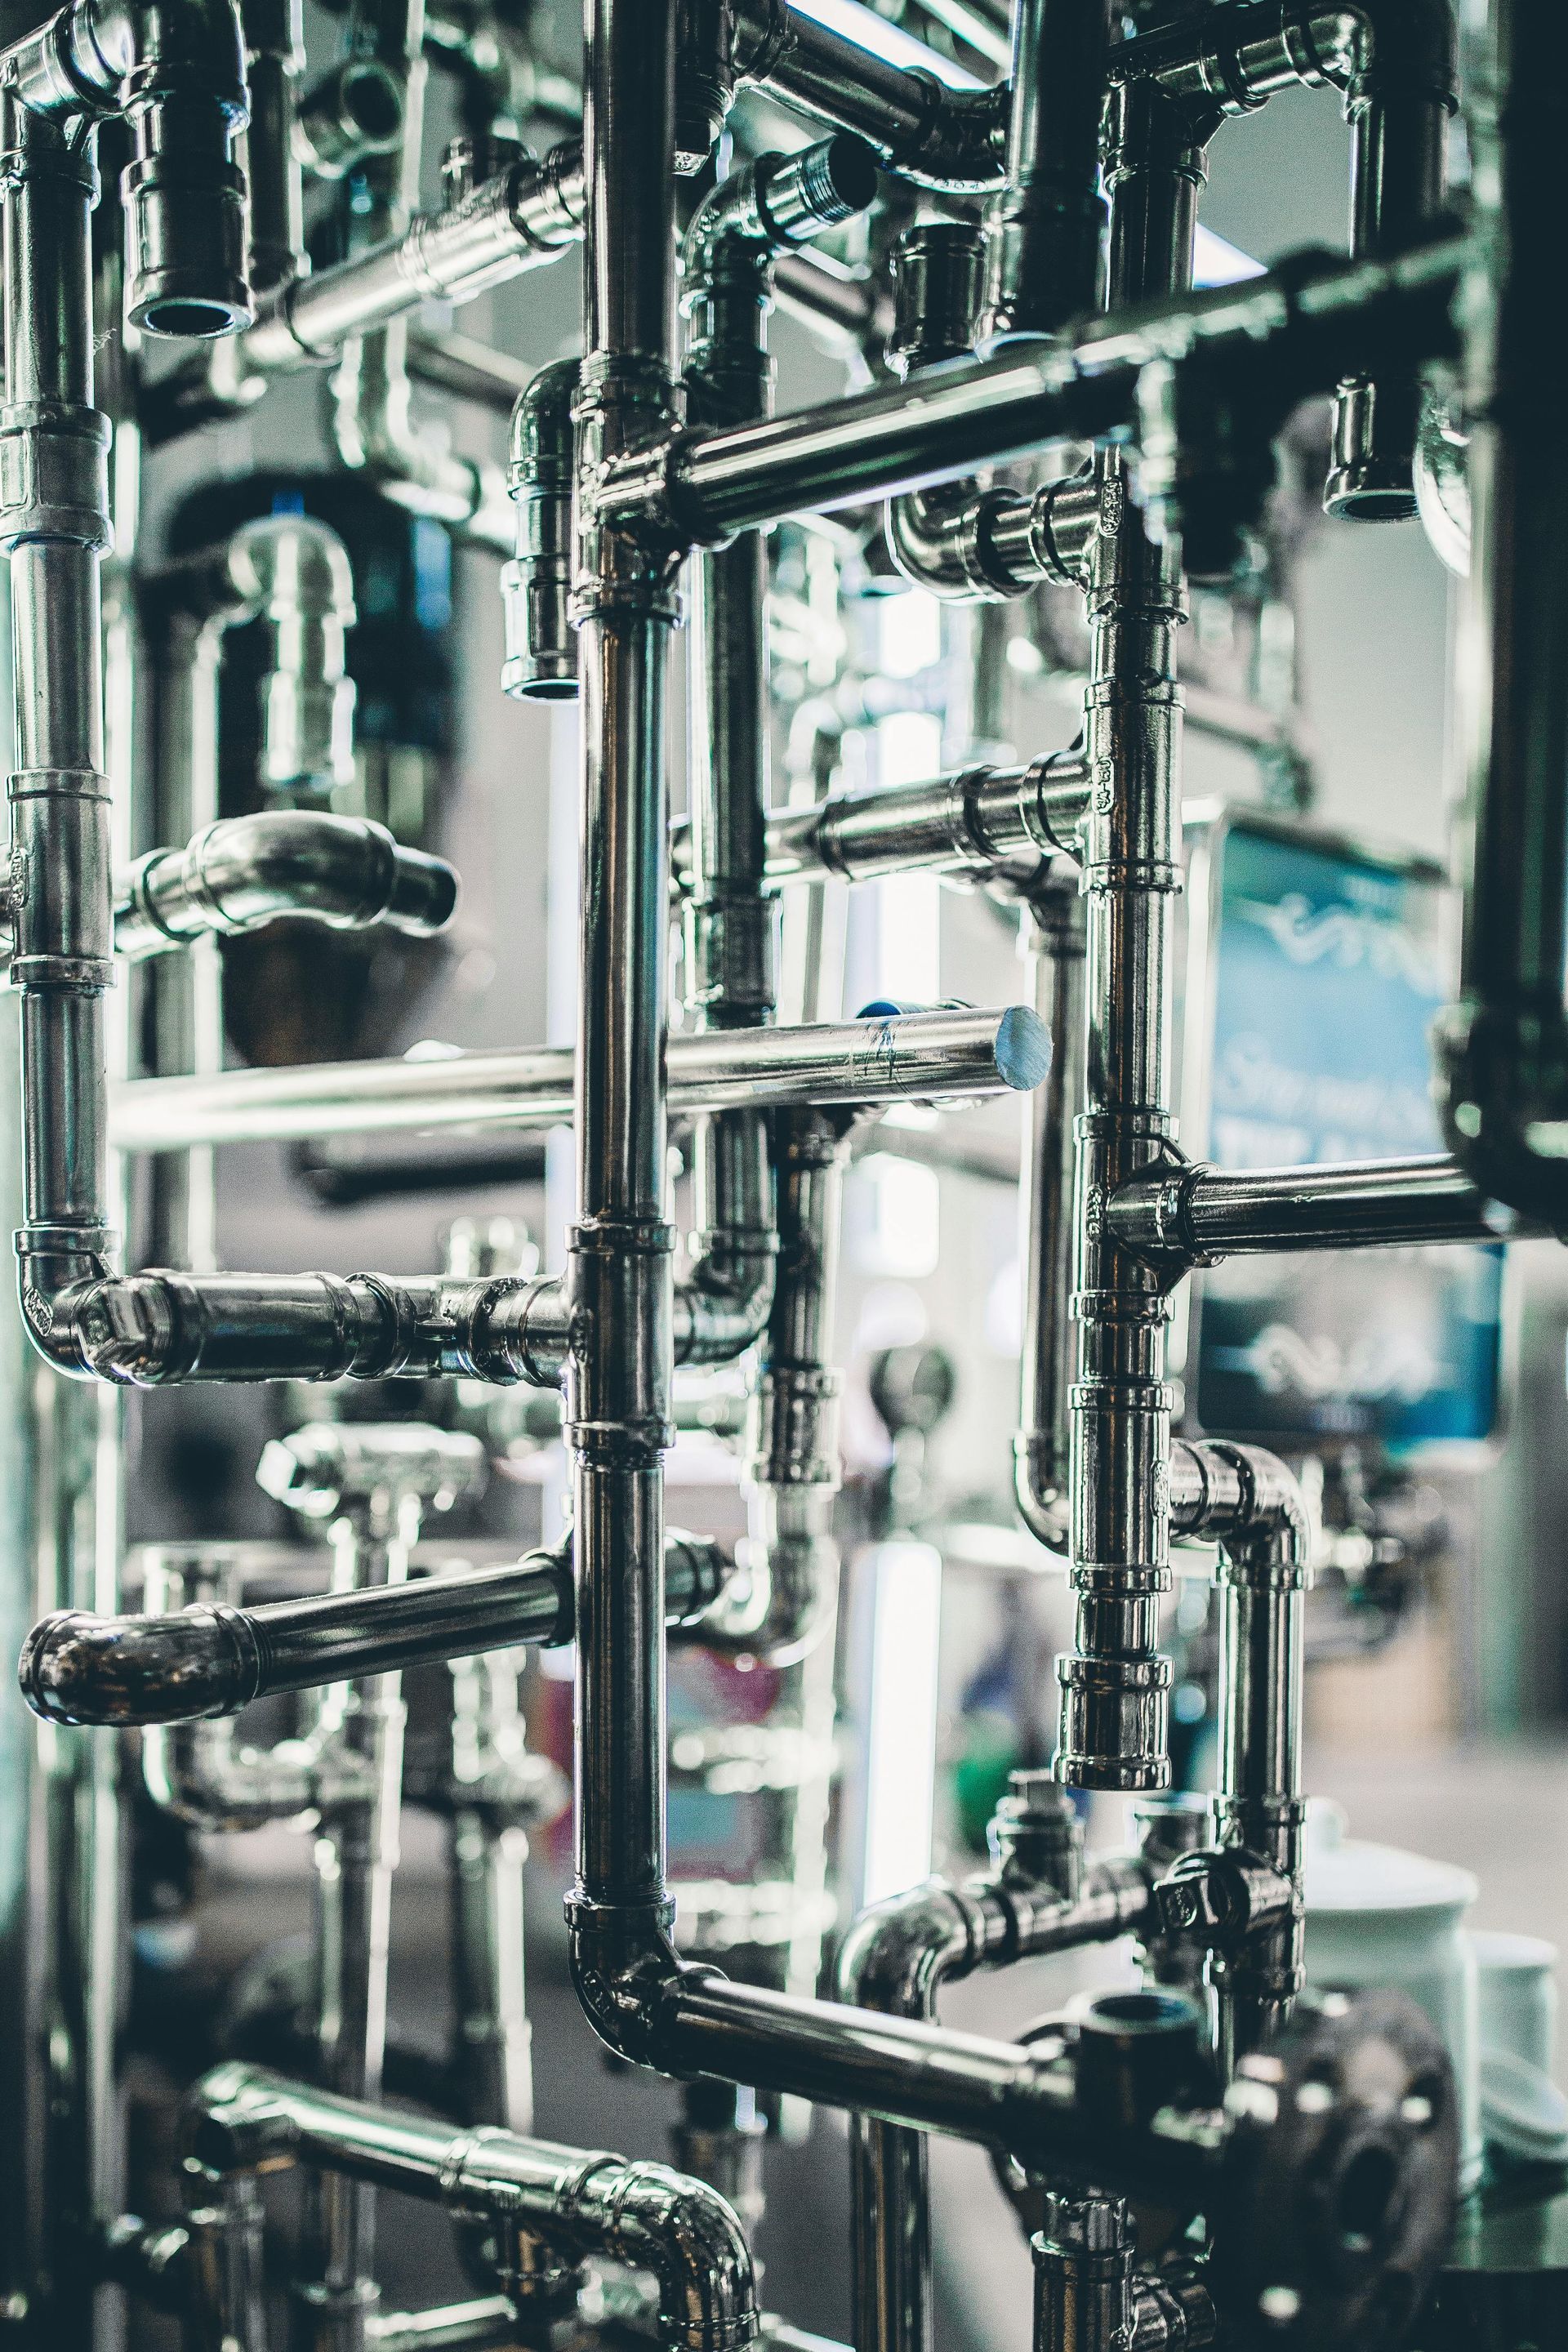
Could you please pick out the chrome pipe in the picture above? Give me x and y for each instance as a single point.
(561, 2203)
(274, 59)
(1053, 942)
(972, 822)
(1302, 327)
(1195, 1216)
(215, 1657)
(938, 137)
(903, 1057)
(1043, 231)
(1504, 1046)
(242, 873)
(896, 1960)
(526, 216)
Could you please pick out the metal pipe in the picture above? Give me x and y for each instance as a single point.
(1503, 1047)
(940, 137)
(1043, 231)
(536, 585)
(1299, 329)
(788, 1599)
(1053, 942)
(215, 1657)
(245, 872)
(903, 1057)
(896, 1960)
(971, 823)
(274, 57)
(177, 78)
(527, 216)
(772, 205)
(1193, 1215)
(1397, 102)
(561, 2202)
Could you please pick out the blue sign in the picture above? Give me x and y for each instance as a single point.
(1328, 969)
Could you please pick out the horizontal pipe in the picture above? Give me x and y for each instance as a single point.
(1195, 1214)
(1292, 332)
(245, 872)
(488, 2320)
(525, 217)
(913, 1056)
(211, 1660)
(939, 136)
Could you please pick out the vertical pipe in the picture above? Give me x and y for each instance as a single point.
(1114, 1722)
(187, 988)
(1042, 234)
(1054, 941)
(274, 51)
(355, 1856)
(619, 1264)
(55, 526)
(495, 2075)
(1259, 1808)
(1398, 106)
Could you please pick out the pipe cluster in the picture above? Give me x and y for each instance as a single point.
(1050, 303)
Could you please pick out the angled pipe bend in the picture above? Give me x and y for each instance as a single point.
(242, 872)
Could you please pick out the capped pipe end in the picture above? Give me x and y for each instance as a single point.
(76, 1668)
(1023, 1049)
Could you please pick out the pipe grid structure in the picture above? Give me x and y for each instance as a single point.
(1041, 397)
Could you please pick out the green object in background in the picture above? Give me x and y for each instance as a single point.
(989, 1752)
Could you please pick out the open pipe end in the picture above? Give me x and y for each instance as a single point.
(425, 893)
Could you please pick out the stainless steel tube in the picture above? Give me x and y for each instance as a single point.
(244, 872)
(895, 1960)
(910, 1056)
(528, 216)
(1193, 1215)
(1308, 325)
(1043, 231)
(1053, 940)
(970, 823)
(943, 138)
(1504, 1045)
(619, 1278)
(214, 1658)
(563, 2202)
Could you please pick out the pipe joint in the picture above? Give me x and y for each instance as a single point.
(1504, 1102)
(536, 587)
(54, 474)
(626, 1971)
(688, 2235)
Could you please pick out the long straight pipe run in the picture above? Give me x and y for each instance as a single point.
(907, 1057)
(1196, 1215)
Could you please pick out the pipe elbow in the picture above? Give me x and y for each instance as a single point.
(1041, 1491)
(897, 1953)
(76, 1668)
(785, 1599)
(625, 1971)
(693, 2242)
(288, 567)
(1254, 1509)
(945, 542)
(722, 1310)
(1503, 1095)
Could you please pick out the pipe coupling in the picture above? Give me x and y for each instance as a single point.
(54, 474)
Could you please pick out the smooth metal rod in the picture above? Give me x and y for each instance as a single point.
(208, 1661)
(1196, 1215)
(909, 1056)
(1042, 1450)
(1302, 327)
(524, 218)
